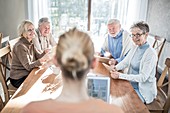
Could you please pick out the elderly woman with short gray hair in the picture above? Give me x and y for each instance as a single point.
(141, 62)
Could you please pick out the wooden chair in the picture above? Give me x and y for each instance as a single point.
(1, 104)
(11, 43)
(159, 44)
(162, 103)
(3, 40)
(8, 89)
(3, 60)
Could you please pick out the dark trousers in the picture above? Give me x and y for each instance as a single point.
(18, 82)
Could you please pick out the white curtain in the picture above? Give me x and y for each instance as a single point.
(37, 9)
(137, 11)
(122, 11)
(130, 11)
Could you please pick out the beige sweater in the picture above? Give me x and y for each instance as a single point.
(42, 43)
(24, 59)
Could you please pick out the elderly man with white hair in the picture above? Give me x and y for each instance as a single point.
(117, 42)
(43, 39)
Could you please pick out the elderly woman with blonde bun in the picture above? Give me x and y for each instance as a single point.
(25, 56)
(75, 53)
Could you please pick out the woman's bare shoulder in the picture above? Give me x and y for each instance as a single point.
(51, 106)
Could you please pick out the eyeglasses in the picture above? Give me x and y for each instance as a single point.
(136, 35)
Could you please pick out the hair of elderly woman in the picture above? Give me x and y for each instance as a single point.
(142, 26)
(23, 27)
(75, 52)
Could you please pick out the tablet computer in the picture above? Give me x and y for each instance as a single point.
(99, 87)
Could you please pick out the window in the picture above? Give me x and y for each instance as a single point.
(66, 14)
(101, 12)
(87, 15)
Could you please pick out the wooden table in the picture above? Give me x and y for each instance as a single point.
(43, 84)
(122, 93)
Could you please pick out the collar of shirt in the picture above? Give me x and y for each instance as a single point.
(26, 42)
(39, 33)
(145, 45)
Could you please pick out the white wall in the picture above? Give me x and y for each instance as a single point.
(12, 12)
(158, 19)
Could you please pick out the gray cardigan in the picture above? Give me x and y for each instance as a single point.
(146, 77)
(24, 58)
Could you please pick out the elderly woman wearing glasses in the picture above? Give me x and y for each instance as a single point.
(25, 55)
(141, 62)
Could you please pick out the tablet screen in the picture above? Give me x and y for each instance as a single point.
(99, 87)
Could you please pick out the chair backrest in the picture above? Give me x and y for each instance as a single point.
(4, 52)
(166, 84)
(4, 40)
(159, 44)
(11, 43)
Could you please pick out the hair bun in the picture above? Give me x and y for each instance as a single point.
(74, 59)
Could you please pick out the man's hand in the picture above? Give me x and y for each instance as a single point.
(112, 61)
(45, 58)
(47, 50)
(107, 54)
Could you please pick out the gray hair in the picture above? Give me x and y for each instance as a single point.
(141, 25)
(23, 27)
(113, 21)
(43, 20)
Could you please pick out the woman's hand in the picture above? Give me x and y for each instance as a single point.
(114, 74)
(42, 60)
(45, 58)
(48, 63)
